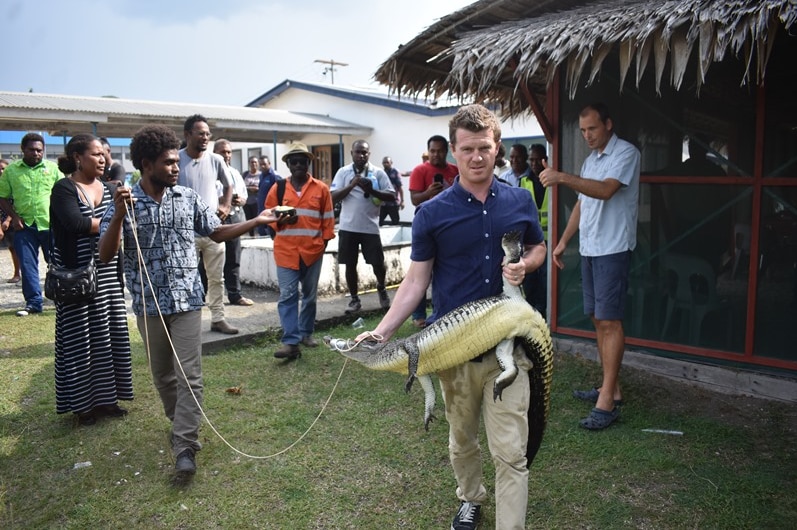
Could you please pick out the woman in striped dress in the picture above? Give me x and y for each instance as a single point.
(92, 345)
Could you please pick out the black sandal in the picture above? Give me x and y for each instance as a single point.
(112, 411)
(86, 418)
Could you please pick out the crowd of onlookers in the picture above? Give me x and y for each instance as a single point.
(173, 241)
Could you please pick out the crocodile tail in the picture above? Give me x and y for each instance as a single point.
(539, 350)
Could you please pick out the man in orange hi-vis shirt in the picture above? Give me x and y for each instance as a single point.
(302, 232)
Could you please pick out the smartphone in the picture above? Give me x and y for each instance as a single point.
(438, 178)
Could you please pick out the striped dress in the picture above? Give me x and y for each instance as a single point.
(92, 345)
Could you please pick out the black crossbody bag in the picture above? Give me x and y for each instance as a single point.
(73, 286)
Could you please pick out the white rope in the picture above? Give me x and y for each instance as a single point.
(143, 271)
(351, 344)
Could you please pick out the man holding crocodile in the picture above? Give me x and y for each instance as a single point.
(457, 237)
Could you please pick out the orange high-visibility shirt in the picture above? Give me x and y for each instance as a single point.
(315, 226)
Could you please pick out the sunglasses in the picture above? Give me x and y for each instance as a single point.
(298, 160)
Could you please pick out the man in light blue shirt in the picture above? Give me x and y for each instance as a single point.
(606, 217)
(518, 165)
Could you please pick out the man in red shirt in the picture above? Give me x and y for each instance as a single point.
(427, 180)
(432, 177)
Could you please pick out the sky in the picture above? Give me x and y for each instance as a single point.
(225, 52)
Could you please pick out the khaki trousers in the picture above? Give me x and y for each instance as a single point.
(178, 402)
(468, 391)
(213, 259)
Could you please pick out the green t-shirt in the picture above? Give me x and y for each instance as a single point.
(30, 188)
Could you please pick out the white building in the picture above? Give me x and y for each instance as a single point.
(400, 127)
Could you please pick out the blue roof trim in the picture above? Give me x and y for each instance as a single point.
(15, 137)
(382, 100)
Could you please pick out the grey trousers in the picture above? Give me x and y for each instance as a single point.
(180, 405)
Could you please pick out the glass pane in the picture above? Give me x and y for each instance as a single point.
(780, 144)
(776, 299)
(571, 304)
(697, 232)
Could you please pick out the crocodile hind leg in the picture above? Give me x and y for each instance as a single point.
(503, 353)
(429, 399)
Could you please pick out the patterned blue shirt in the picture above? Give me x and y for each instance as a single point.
(165, 234)
(463, 236)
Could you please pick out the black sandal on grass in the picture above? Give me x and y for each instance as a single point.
(86, 418)
(599, 419)
(592, 396)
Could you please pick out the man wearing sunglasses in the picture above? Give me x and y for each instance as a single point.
(302, 232)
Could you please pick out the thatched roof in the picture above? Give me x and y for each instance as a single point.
(488, 49)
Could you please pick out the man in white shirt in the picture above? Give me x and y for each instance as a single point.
(199, 170)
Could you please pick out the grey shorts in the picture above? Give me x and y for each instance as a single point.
(605, 282)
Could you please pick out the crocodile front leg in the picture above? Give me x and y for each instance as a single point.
(503, 353)
(410, 348)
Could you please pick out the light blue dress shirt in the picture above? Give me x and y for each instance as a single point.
(609, 227)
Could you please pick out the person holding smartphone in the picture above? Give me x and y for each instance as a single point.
(433, 176)
(426, 181)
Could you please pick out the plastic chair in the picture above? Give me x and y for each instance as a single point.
(691, 288)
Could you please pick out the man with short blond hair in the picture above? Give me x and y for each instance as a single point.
(464, 255)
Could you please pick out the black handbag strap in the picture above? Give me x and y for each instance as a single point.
(90, 204)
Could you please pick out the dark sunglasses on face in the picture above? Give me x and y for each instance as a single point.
(298, 160)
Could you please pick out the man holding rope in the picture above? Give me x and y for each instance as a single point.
(158, 221)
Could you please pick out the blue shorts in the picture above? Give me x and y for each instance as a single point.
(605, 282)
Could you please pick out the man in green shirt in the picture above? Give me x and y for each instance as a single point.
(28, 182)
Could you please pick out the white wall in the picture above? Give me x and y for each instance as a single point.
(400, 134)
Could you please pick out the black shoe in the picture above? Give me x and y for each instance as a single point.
(288, 351)
(354, 306)
(86, 418)
(467, 517)
(112, 411)
(384, 299)
(186, 462)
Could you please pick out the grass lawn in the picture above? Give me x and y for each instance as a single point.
(368, 463)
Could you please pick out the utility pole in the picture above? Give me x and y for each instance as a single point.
(331, 68)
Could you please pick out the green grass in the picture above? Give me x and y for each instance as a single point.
(368, 463)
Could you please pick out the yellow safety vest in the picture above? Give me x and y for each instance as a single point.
(527, 183)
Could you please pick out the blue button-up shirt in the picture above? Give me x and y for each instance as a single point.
(609, 227)
(463, 236)
(164, 234)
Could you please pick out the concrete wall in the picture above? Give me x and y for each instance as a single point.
(258, 267)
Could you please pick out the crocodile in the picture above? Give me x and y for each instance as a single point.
(464, 333)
